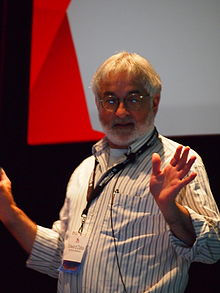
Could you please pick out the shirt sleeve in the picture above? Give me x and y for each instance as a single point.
(46, 252)
(197, 198)
(206, 248)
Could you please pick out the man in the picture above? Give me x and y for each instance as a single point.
(137, 212)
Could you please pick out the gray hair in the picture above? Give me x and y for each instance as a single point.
(132, 64)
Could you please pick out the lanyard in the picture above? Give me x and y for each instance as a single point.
(93, 193)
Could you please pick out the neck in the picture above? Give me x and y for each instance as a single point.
(115, 146)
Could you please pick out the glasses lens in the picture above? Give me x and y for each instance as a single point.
(110, 103)
(134, 102)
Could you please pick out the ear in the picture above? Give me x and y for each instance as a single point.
(156, 101)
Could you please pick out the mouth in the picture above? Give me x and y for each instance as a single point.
(123, 125)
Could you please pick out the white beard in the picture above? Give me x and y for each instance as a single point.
(125, 138)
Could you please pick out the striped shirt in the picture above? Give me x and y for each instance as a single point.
(150, 258)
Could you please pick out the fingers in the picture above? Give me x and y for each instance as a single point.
(180, 159)
(188, 179)
(183, 165)
(183, 158)
(176, 156)
(189, 163)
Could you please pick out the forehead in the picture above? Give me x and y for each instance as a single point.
(120, 82)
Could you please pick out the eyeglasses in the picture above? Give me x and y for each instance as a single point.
(132, 102)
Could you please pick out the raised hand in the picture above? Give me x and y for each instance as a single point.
(6, 198)
(165, 184)
(15, 220)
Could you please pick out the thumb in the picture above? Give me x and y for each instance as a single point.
(156, 164)
(1, 172)
(3, 175)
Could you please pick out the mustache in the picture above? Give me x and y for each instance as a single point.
(125, 120)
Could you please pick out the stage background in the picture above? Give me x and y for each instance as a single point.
(40, 173)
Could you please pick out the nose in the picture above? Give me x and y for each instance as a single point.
(121, 110)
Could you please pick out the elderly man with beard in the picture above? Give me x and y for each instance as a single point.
(137, 212)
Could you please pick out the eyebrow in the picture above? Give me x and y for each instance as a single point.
(108, 93)
(113, 94)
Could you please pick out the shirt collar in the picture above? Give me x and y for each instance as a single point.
(139, 142)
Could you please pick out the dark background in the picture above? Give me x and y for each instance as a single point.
(40, 173)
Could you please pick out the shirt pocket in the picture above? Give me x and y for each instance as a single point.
(140, 201)
(137, 213)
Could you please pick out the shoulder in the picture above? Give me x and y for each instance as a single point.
(170, 145)
(84, 169)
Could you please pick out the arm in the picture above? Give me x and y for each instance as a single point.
(14, 219)
(165, 185)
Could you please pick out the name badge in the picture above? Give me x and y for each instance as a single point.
(73, 252)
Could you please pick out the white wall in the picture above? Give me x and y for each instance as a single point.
(181, 38)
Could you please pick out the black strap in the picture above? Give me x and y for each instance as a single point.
(106, 177)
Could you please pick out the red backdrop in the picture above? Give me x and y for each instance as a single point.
(57, 108)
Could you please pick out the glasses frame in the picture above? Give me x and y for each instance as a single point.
(123, 100)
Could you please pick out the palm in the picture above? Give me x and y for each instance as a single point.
(165, 184)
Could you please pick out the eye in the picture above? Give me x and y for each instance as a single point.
(111, 100)
(134, 98)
